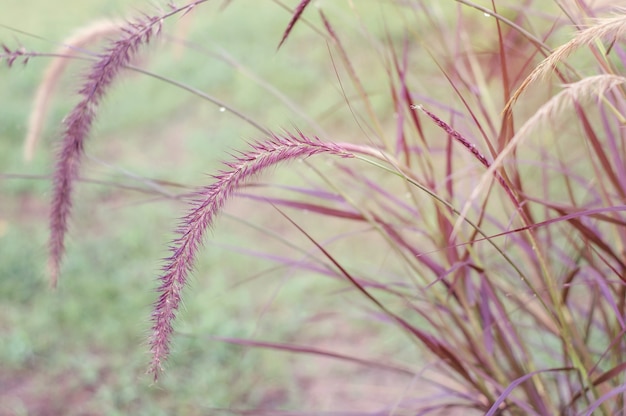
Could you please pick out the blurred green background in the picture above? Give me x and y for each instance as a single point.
(82, 348)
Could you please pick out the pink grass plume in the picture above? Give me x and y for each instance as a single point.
(79, 122)
(208, 203)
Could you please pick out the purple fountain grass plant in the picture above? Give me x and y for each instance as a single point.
(208, 203)
(487, 301)
(79, 121)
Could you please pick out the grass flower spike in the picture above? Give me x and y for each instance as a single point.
(80, 120)
(208, 203)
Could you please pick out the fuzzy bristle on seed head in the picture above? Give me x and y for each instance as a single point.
(78, 123)
(208, 203)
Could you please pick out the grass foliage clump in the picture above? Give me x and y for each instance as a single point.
(468, 191)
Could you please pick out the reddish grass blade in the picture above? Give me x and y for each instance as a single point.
(316, 208)
(299, 349)
(433, 344)
(570, 217)
(616, 371)
(605, 397)
(296, 16)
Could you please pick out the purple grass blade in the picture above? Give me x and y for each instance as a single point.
(609, 299)
(486, 315)
(296, 16)
(616, 371)
(317, 193)
(312, 266)
(614, 392)
(619, 165)
(307, 206)
(593, 213)
(495, 407)
(393, 200)
(299, 349)
(432, 343)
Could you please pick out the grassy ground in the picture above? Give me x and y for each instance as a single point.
(81, 349)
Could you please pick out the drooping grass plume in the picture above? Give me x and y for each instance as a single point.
(79, 121)
(594, 86)
(577, 92)
(506, 308)
(72, 46)
(209, 202)
(607, 29)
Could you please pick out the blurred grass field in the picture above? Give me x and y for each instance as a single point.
(81, 349)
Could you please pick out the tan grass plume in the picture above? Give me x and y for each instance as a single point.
(84, 36)
(585, 89)
(606, 29)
